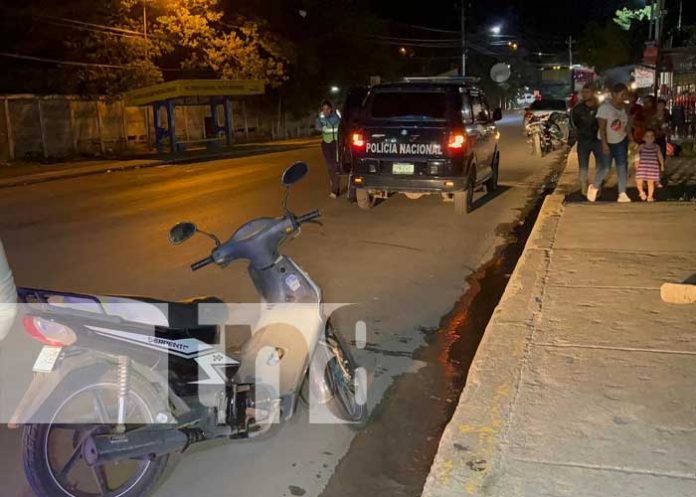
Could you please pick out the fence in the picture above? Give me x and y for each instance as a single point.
(57, 126)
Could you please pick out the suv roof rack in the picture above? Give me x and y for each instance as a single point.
(442, 79)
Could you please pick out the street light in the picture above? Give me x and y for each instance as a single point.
(335, 90)
(496, 29)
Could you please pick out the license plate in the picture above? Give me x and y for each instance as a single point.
(402, 168)
(47, 359)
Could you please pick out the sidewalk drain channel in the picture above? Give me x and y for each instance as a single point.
(393, 454)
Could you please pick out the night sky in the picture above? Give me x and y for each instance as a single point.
(557, 17)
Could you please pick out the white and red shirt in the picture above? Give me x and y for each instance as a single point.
(617, 120)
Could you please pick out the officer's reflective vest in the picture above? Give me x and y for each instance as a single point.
(329, 132)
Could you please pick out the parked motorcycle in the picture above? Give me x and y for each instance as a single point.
(112, 399)
(537, 137)
(547, 134)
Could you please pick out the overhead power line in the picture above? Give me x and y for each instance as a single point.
(74, 63)
(414, 44)
(61, 62)
(90, 29)
(404, 39)
(426, 28)
(102, 27)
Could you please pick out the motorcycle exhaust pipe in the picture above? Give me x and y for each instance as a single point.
(137, 444)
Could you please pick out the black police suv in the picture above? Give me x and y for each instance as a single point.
(425, 136)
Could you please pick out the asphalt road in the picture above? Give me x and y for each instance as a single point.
(403, 264)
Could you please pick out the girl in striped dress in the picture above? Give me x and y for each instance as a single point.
(649, 165)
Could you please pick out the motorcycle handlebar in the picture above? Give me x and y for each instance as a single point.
(259, 243)
(202, 263)
(310, 216)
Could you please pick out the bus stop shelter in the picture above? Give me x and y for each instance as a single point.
(217, 94)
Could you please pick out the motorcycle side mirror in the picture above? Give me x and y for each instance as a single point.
(497, 114)
(293, 174)
(182, 232)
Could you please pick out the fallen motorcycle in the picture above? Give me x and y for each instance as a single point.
(124, 382)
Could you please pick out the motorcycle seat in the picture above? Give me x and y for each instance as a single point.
(199, 312)
(193, 314)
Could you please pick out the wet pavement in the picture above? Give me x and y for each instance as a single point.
(393, 455)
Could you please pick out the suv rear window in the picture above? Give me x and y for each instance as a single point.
(409, 105)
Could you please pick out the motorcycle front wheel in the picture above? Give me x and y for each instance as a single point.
(537, 148)
(52, 452)
(348, 382)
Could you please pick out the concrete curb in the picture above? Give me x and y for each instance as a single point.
(468, 456)
(126, 165)
(80, 170)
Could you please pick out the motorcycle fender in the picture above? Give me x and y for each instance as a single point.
(43, 385)
(319, 389)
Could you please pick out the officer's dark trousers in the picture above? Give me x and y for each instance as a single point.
(329, 150)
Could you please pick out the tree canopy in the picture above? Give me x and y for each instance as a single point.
(176, 37)
(626, 17)
(605, 45)
(300, 49)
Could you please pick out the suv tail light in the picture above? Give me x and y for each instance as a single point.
(457, 140)
(49, 332)
(358, 140)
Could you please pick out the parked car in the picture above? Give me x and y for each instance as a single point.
(425, 136)
(526, 99)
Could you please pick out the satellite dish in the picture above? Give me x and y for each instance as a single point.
(500, 72)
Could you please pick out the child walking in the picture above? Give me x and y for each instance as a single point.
(650, 163)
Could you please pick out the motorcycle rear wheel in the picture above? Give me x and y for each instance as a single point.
(51, 475)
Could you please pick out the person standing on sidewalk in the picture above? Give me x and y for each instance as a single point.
(650, 163)
(328, 122)
(583, 119)
(661, 124)
(613, 134)
(639, 117)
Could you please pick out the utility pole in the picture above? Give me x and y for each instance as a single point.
(681, 6)
(147, 48)
(463, 37)
(659, 21)
(659, 25)
(570, 63)
(145, 20)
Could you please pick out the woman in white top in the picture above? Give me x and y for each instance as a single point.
(8, 296)
(613, 135)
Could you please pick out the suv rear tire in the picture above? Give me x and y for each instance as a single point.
(364, 199)
(464, 200)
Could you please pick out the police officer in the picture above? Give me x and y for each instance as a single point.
(328, 123)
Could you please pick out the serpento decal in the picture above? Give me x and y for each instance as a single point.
(187, 347)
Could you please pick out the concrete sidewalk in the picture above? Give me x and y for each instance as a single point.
(583, 384)
(25, 174)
